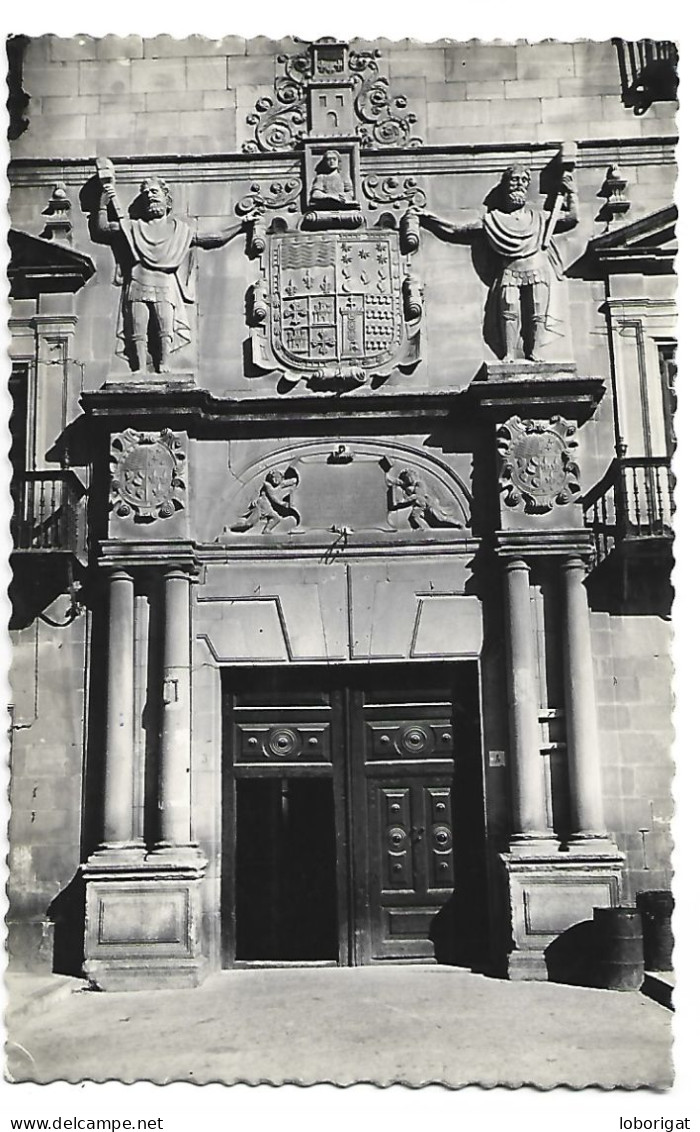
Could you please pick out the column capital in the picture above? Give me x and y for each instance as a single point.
(515, 562)
(574, 562)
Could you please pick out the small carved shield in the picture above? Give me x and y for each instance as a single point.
(147, 471)
(537, 467)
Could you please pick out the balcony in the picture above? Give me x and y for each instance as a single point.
(648, 72)
(49, 514)
(632, 507)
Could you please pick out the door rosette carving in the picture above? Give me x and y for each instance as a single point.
(537, 469)
(148, 474)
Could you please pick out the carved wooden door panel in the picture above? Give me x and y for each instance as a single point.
(403, 762)
(338, 814)
(284, 888)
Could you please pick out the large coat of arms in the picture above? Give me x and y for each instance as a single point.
(337, 307)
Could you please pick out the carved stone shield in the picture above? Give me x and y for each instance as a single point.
(336, 300)
(537, 467)
(147, 474)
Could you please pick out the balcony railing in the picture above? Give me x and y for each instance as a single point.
(633, 501)
(49, 512)
(648, 71)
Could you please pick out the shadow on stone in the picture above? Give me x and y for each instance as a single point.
(575, 956)
(67, 911)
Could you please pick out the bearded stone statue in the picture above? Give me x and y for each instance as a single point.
(527, 263)
(153, 252)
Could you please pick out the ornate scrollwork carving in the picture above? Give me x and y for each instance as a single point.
(147, 474)
(537, 469)
(384, 119)
(280, 121)
(279, 194)
(394, 191)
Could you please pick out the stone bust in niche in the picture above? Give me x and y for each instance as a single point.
(525, 263)
(329, 188)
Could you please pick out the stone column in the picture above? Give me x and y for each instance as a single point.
(581, 717)
(119, 832)
(174, 771)
(527, 782)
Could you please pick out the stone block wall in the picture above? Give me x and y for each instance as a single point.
(48, 694)
(147, 95)
(635, 701)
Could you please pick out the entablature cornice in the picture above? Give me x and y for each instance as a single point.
(200, 410)
(162, 554)
(356, 546)
(574, 542)
(426, 161)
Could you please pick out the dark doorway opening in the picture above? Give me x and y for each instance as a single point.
(285, 870)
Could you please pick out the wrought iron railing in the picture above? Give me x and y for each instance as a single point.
(634, 500)
(648, 71)
(49, 512)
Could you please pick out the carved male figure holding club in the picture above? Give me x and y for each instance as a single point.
(520, 237)
(154, 266)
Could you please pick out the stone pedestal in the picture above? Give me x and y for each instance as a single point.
(535, 389)
(548, 894)
(143, 925)
(150, 382)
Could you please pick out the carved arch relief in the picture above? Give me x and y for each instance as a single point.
(344, 488)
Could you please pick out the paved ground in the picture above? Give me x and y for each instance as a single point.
(414, 1025)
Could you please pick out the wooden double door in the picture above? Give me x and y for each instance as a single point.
(353, 807)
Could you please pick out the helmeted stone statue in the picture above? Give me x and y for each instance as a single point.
(153, 250)
(527, 262)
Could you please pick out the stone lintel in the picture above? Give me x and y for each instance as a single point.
(535, 389)
(181, 407)
(536, 543)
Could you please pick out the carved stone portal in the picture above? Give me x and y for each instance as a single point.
(537, 470)
(148, 474)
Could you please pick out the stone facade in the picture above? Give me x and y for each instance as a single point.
(335, 493)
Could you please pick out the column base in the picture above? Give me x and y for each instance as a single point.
(552, 896)
(533, 844)
(143, 924)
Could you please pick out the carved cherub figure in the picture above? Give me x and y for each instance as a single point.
(273, 503)
(154, 267)
(519, 236)
(408, 490)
